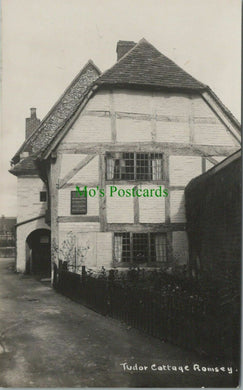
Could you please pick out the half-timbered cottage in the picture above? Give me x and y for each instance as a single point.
(144, 123)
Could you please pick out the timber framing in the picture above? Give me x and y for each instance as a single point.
(80, 184)
(75, 170)
(113, 117)
(29, 220)
(179, 149)
(136, 208)
(146, 227)
(209, 97)
(79, 218)
(220, 113)
(102, 200)
(148, 117)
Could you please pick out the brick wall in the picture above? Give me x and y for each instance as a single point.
(28, 198)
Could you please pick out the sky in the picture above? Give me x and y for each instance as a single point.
(45, 43)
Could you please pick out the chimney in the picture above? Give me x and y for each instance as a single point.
(31, 123)
(123, 47)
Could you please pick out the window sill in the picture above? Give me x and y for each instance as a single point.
(126, 265)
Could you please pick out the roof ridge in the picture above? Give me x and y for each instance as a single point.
(142, 40)
(117, 62)
(147, 54)
(91, 62)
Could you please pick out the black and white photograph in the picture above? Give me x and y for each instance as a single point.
(120, 201)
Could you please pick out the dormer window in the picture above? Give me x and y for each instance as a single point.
(134, 166)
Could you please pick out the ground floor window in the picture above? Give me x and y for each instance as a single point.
(139, 248)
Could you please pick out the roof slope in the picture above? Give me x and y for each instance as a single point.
(25, 166)
(144, 65)
(61, 111)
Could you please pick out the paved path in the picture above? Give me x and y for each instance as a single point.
(46, 340)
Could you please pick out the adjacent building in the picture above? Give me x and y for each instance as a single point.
(213, 212)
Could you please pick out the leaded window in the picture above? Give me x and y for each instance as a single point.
(139, 248)
(134, 166)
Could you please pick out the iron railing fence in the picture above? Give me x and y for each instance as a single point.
(191, 320)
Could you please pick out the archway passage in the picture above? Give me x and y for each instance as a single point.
(38, 253)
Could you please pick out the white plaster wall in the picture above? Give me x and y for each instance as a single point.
(177, 132)
(210, 165)
(90, 129)
(172, 104)
(119, 210)
(151, 209)
(99, 102)
(94, 249)
(177, 206)
(183, 168)
(22, 233)
(88, 174)
(212, 134)
(104, 249)
(86, 242)
(69, 161)
(133, 130)
(28, 198)
(212, 131)
(74, 227)
(175, 115)
(133, 101)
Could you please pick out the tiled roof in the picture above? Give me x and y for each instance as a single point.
(62, 110)
(25, 166)
(144, 65)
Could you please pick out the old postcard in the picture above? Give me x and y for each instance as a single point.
(120, 234)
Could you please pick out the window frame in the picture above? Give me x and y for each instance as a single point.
(136, 178)
(45, 196)
(149, 261)
(81, 198)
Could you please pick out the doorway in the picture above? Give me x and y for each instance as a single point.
(38, 253)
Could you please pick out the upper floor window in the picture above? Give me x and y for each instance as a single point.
(134, 166)
(78, 203)
(43, 196)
